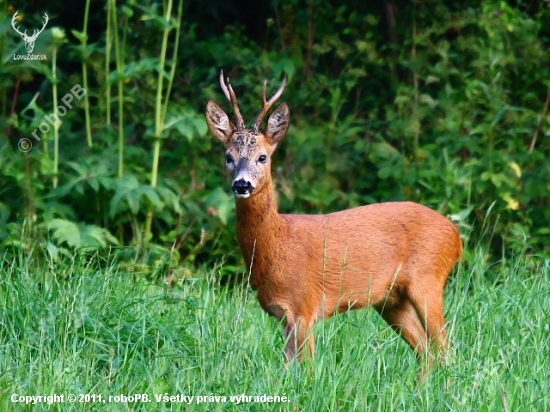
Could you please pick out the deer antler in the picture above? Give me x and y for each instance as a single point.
(266, 105)
(37, 32)
(230, 94)
(13, 19)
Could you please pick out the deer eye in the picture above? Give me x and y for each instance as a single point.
(228, 159)
(262, 159)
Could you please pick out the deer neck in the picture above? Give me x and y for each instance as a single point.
(258, 227)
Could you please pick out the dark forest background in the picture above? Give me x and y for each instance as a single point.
(439, 102)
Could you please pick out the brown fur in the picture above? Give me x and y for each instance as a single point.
(393, 256)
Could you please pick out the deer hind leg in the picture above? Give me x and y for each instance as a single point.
(429, 309)
(299, 340)
(403, 319)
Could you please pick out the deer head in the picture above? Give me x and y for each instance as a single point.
(248, 151)
(29, 40)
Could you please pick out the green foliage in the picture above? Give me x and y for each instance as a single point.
(448, 108)
(77, 236)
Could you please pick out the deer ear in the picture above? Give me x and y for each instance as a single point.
(277, 124)
(218, 122)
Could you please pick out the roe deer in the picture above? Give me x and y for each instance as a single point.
(394, 256)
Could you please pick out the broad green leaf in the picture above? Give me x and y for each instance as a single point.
(65, 232)
(221, 203)
(152, 196)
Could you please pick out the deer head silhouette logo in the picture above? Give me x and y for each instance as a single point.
(29, 40)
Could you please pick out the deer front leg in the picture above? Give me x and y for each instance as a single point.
(296, 334)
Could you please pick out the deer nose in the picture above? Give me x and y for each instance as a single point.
(242, 187)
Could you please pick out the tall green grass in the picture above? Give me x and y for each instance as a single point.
(83, 325)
